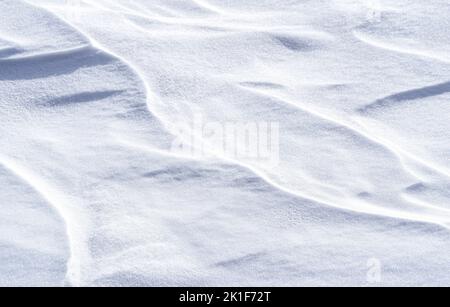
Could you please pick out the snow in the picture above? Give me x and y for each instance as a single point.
(94, 94)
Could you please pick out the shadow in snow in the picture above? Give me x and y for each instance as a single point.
(415, 94)
(80, 98)
(52, 64)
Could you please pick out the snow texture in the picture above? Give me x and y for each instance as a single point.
(92, 93)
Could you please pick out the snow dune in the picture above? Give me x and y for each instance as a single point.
(93, 93)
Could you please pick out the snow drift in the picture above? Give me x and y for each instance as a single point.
(93, 93)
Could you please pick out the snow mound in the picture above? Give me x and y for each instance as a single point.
(93, 94)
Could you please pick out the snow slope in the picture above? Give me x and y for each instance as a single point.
(93, 93)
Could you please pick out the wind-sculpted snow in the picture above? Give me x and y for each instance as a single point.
(93, 95)
(33, 235)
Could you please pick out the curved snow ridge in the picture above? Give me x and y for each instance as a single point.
(417, 212)
(41, 65)
(358, 206)
(408, 50)
(356, 129)
(355, 204)
(357, 125)
(425, 213)
(267, 202)
(431, 166)
(34, 248)
(340, 122)
(161, 218)
(60, 203)
(86, 63)
(96, 47)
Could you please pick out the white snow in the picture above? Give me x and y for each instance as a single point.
(93, 94)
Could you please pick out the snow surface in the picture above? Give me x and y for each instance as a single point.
(92, 93)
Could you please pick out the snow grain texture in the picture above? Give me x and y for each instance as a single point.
(92, 195)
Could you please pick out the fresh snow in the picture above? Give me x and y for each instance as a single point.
(92, 97)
